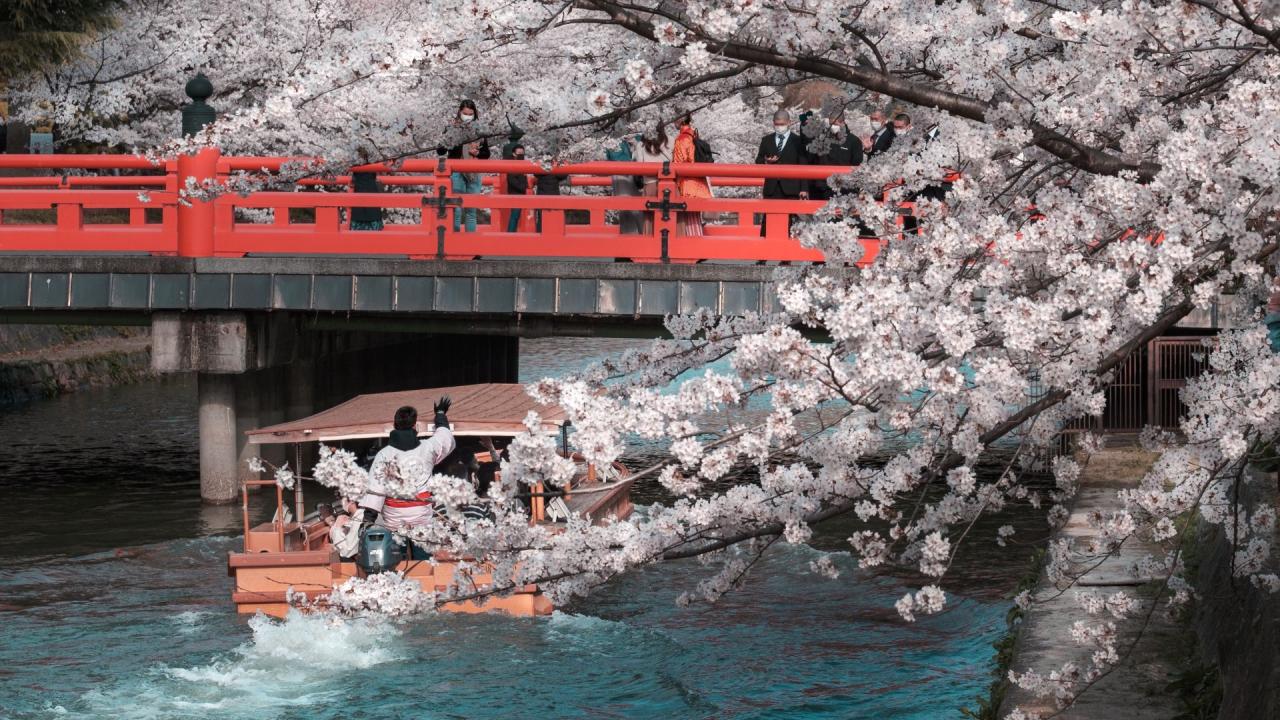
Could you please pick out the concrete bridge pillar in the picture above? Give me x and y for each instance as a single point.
(217, 347)
(227, 351)
(219, 474)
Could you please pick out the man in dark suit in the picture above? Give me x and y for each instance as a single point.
(882, 138)
(782, 147)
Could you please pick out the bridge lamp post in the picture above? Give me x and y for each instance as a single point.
(219, 446)
(195, 217)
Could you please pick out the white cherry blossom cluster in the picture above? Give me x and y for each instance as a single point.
(1119, 604)
(339, 469)
(388, 594)
(285, 477)
(928, 600)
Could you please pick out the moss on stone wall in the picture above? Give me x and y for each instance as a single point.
(989, 706)
(33, 378)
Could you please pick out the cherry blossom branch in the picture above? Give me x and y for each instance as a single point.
(1078, 154)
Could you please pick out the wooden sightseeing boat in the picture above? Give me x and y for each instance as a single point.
(284, 554)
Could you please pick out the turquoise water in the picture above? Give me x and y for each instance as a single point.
(114, 603)
(149, 635)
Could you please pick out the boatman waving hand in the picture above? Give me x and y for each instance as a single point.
(405, 451)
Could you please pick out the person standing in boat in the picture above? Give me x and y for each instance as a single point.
(405, 448)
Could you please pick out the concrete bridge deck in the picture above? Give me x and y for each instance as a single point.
(513, 297)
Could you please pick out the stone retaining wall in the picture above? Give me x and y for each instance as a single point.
(1238, 624)
(41, 361)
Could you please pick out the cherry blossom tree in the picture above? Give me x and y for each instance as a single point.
(1143, 133)
(347, 81)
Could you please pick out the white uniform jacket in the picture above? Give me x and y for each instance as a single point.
(398, 514)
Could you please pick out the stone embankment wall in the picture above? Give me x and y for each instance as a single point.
(1235, 627)
(40, 361)
(1237, 624)
(1136, 689)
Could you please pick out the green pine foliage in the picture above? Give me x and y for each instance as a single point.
(37, 34)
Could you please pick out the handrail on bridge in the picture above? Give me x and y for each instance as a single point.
(89, 211)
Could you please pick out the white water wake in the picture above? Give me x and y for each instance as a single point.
(295, 664)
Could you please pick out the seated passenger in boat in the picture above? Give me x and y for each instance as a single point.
(344, 531)
(462, 463)
(404, 446)
(482, 508)
(487, 474)
(481, 478)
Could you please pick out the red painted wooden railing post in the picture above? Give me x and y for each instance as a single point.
(196, 173)
(499, 218)
(444, 186)
(664, 220)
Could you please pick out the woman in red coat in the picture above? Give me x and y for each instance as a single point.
(696, 187)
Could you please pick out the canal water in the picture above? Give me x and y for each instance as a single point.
(114, 602)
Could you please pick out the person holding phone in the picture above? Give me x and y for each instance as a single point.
(782, 147)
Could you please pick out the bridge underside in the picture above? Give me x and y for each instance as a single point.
(503, 297)
(275, 338)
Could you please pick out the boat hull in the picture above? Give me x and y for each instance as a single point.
(264, 581)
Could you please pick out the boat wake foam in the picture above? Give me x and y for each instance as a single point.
(291, 663)
(190, 622)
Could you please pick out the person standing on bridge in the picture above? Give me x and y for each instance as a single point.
(782, 147)
(365, 181)
(654, 147)
(685, 151)
(629, 221)
(546, 182)
(882, 133)
(517, 184)
(466, 183)
(845, 150)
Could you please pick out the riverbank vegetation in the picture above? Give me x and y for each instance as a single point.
(43, 361)
(40, 35)
(988, 708)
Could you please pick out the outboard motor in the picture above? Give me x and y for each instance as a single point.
(379, 551)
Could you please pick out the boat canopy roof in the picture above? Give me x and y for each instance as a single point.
(493, 409)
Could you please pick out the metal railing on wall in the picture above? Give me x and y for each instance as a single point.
(1144, 389)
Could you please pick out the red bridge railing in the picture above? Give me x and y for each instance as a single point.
(141, 211)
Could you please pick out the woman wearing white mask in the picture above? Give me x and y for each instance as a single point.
(466, 183)
(845, 150)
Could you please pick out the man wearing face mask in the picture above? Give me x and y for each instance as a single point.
(782, 147)
(882, 135)
(901, 124)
